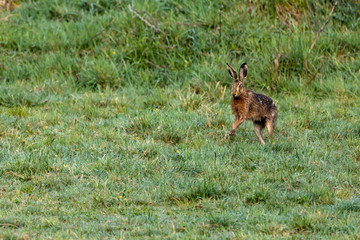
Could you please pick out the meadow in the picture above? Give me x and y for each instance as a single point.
(114, 128)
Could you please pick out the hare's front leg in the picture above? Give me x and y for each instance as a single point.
(235, 125)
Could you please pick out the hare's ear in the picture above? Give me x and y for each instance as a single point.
(231, 71)
(243, 71)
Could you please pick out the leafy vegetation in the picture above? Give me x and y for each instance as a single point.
(111, 129)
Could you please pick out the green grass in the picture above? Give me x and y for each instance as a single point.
(116, 131)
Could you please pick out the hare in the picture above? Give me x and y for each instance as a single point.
(249, 105)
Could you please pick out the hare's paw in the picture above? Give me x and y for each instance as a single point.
(232, 133)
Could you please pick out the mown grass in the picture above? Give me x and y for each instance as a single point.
(111, 130)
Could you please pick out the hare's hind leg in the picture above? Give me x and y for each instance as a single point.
(258, 127)
(270, 125)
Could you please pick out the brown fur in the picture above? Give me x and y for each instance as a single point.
(249, 105)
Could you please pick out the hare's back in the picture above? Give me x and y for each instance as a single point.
(264, 100)
(261, 106)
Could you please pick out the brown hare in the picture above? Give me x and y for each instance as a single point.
(249, 105)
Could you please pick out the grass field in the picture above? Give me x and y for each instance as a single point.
(110, 129)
